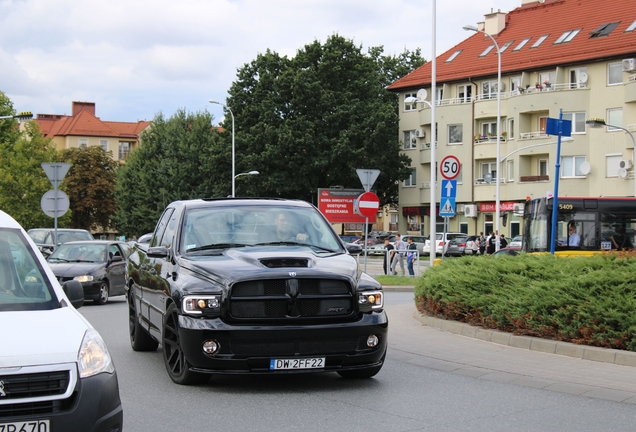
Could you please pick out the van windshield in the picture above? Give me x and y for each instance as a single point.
(23, 283)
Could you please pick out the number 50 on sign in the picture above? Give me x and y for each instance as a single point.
(449, 167)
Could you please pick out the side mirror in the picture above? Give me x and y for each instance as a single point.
(354, 249)
(158, 252)
(75, 293)
(116, 258)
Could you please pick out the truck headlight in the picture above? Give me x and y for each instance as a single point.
(201, 304)
(93, 356)
(370, 300)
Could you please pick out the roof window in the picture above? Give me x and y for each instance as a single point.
(567, 36)
(540, 41)
(505, 46)
(522, 44)
(603, 30)
(452, 57)
(631, 27)
(486, 51)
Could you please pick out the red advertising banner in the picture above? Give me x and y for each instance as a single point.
(337, 205)
(491, 207)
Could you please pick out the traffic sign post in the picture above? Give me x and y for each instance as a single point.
(367, 205)
(55, 203)
(450, 167)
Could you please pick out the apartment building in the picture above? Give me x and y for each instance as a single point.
(83, 128)
(571, 57)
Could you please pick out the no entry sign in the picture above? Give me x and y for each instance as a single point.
(368, 204)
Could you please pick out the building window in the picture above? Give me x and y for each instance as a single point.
(614, 118)
(489, 169)
(452, 57)
(515, 84)
(410, 106)
(489, 128)
(631, 27)
(578, 78)
(539, 41)
(440, 95)
(543, 167)
(124, 150)
(511, 170)
(411, 181)
(464, 92)
(578, 121)
(571, 166)
(486, 51)
(522, 44)
(567, 36)
(511, 129)
(603, 30)
(612, 165)
(104, 144)
(82, 142)
(455, 134)
(614, 73)
(410, 142)
(505, 47)
(489, 89)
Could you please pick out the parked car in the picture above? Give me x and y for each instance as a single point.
(515, 242)
(472, 245)
(457, 246)
(508, 251)
(419, 241)
(254, 285)
(44, 238)
(441, 242)
(99, 265)
(55, 371)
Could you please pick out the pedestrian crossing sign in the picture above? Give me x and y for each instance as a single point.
(447, 207)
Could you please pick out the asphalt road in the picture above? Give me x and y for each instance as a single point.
(404, 396)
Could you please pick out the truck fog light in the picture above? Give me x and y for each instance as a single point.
(211, 347)
(372, 341)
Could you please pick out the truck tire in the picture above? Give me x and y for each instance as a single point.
(140, 340)
(173, 357)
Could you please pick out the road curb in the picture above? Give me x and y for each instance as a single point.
(584, 352)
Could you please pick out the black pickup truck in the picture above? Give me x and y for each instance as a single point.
(253, 286)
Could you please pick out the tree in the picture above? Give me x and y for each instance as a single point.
(308, 122)
(22, 179)
(180, 158)
(90, 185)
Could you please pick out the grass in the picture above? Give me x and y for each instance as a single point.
(396, 280)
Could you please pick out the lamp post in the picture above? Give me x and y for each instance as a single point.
(598, 123)
(498, 184)
(247, 173)
(21, 116)
(233, 152)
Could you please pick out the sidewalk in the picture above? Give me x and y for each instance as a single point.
(454, 347)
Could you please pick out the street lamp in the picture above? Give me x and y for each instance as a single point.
(598, 123)
(233, 152)
(21, 116)
(247, 173)
(498, 187)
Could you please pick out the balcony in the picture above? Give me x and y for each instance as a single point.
(532, 135)
(480, 139)
(533, 179)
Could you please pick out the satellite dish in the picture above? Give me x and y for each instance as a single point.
(622, 173)
(585, 167)
(583, 77)
(488, 178)
(421, 94)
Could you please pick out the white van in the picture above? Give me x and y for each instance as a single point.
(441, 242)
(55, 371)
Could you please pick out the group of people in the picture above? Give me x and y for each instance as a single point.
(395, 254)
(488, 245)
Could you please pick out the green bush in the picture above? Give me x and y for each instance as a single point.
(585, 300)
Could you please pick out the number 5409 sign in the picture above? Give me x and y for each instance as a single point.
(449, 167)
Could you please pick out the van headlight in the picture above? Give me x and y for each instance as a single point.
(370, 300)
(93, 357)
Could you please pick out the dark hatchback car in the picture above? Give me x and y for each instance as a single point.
(99, 265)
(253, 286)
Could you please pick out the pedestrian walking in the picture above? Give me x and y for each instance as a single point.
(398, 256)
(482, 243)
(410, 255)
(503, 242)
(388, 256)
(490, 243)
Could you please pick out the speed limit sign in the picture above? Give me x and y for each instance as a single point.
(449, 167)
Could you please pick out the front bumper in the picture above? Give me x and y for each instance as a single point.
(249, 348)
(93, 406)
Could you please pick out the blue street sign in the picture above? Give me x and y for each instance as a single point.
(447, 207)
(449, 189)
(558, 127)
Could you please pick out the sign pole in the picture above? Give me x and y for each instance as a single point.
(366, 245)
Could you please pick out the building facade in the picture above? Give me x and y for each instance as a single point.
(83, 128)
(575, 58)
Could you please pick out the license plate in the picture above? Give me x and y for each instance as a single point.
(302, 363)
(26, 426)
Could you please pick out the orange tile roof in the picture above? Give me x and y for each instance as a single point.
(554, 17)
(86, 123)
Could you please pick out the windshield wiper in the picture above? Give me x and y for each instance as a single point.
(216, 246)
(322, 248)
(60, 259)
(283, 243)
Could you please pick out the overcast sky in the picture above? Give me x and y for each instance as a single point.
(136, 58)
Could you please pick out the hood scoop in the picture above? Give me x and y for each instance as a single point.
(285, 262)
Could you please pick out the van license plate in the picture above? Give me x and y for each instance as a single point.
(26, 426)
(303, 363)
